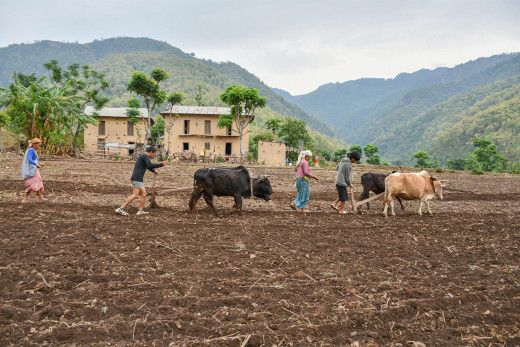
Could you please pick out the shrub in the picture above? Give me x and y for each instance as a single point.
(220, 160)
(323, 162)
(477, 172)
(439, 170)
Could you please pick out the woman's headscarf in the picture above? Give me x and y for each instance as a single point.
(302, 156)
(34, 141)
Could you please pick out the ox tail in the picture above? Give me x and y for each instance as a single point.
(196, 176)
(387, 192)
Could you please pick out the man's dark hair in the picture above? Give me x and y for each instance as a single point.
(355, 155)
(150, 149)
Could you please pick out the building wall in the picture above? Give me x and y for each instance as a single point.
(116, 130)
(197, 136)
(271, 153)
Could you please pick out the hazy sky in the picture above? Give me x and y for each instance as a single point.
(293, 45)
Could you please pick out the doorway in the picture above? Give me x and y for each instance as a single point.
(228, 148)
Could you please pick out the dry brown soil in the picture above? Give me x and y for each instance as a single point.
(272, 276)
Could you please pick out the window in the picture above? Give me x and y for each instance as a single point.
(130, 129)
(228, 130)
(207, 127)
(101, 128)
(131, 151)
(185, 146)
(207, 146)
(186, 127)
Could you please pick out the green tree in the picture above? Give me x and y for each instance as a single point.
(157, 129)
(44, 111)
(243, 103)
(198, 98)
(487, 156)
(339, 154)
(5, 120)
(370, 152)
(456, 164)
(83, 82)
(422, 158)
(26, 80)
(148, 88)
(132, 111)
(293, 132)
(273, 124)
(326, 154)
(173, 99)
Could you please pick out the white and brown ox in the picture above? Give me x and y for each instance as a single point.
(412, 186)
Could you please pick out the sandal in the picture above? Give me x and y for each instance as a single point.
(293, 207)
(344, 212)
(44, 200)
(334, 207)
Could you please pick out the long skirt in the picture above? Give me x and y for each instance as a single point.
(302, 187)
(34, 183)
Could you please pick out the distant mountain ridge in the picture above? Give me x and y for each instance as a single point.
(119, 57)
(384, 111)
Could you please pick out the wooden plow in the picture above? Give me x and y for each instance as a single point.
(355, 205)
(153, 203)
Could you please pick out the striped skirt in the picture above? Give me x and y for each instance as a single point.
(34, 183)
(302, 187)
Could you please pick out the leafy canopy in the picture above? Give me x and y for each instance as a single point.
(370, 152)
(293, 132)
(148, 88)
(243, 102)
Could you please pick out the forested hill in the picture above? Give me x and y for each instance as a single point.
(410, 112)
(119, 57)
(29, 58)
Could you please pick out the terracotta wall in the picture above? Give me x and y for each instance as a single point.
(271, 153)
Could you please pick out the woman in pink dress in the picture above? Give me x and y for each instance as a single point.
(303, 177)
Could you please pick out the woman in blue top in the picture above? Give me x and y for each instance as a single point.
(31, 172)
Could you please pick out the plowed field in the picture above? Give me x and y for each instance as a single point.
(73, 272)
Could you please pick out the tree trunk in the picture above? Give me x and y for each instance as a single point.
(17, 144)
(148, 137)
(241, 147)
(1, 147)
(75, 141)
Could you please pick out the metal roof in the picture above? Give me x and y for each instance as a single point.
(198, 110)
(119, 112)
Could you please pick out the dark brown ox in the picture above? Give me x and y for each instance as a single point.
(411, 186)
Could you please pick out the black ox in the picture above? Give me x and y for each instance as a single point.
(374, 182)
(233, 182)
